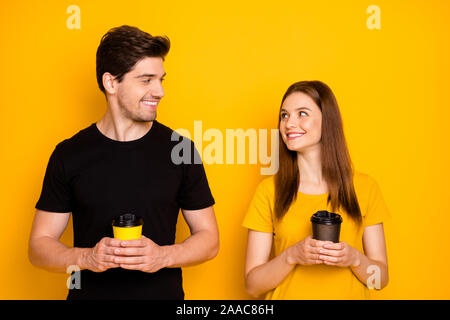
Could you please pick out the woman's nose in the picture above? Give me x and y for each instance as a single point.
(291, 123)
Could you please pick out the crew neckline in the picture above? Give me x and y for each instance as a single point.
(125, 143)
(313, 195)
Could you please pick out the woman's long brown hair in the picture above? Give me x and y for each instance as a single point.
(336, 164)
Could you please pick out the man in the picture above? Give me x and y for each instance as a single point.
(122, 164)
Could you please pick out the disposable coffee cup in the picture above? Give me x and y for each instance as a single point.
(326, 226)
(127, 227)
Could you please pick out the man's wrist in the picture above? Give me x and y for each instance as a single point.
(168, 255)
(81, 257)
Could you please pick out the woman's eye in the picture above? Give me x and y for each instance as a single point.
(283, 115)
(303, 114)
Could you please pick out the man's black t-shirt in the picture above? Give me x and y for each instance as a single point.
(97, 178)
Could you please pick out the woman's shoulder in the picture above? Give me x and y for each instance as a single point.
(363, 182)
(267, 185)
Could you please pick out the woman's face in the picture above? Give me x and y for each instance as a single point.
(300, 122)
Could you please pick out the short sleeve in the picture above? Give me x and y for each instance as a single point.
(259, 213)
(55, 194)
(377, 210)
(194, 193)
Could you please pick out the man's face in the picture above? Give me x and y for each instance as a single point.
(140, 90)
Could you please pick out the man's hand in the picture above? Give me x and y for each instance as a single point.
(101, 257)
(141, 254)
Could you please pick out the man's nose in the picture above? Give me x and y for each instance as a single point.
(157, 91)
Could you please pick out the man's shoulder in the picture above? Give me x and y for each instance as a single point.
(172, 136)
(165, 130)
(80, 139)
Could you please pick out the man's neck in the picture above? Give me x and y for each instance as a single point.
(121, 129)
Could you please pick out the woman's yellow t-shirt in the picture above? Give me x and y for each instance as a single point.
(316, 281)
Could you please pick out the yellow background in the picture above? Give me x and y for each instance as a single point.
(229, 65)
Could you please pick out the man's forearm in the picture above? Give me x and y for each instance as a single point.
(52, 255)
(375, 270)
(199, 247)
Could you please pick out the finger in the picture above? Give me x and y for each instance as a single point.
(107, 250)
(312, 242)
(314, 258)
(330, 263)
(110, 265)
(318, 243)
(334, 246)
(333, 253)
(133, 251)
(134, 243)
(111, 242)
(330, 259)
(129, 260)
(133, 266)
(107, 258)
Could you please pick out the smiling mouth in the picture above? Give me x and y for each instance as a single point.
(292, 136)
(150, 103)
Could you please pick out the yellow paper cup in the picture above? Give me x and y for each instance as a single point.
(127, 227)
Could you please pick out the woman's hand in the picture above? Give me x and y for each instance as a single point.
(339, 254)
(305, 252)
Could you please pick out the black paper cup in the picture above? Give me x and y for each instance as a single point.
(326, 226)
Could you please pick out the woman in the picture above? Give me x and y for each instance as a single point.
(315, 173)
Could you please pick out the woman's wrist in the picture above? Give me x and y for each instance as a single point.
(287, 257)
(356, 259)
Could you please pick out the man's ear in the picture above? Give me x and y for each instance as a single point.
(109, 83)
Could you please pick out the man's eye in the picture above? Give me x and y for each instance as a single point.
(146, 81)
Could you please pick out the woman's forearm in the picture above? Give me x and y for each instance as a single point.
(371, 273)
(269, 275)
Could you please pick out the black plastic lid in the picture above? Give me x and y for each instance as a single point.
(127, 220)
(325, 217)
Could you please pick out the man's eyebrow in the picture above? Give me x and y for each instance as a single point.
(148, 75)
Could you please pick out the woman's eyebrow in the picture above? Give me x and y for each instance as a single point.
(297, 109)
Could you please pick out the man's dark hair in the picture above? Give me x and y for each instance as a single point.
(122, 47)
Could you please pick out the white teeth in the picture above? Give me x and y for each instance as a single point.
(293, 135)
(150, 103)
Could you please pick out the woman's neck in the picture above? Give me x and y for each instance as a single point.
(310, 170)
